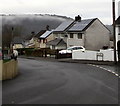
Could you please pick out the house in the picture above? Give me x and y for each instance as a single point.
(118, 28)
(29, 42)
(36, 38)
(90, 33)
(18, 42)
(46, 37)
(118, 35)
(32, 41)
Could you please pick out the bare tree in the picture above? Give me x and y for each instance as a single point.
(8, 33)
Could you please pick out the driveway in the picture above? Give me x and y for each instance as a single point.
(52, 82)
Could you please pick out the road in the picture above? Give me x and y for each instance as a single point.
(52, 82)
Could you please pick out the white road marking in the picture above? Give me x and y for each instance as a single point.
(105, 69)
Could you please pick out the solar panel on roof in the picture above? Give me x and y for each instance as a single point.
(79, 26)
(63, 26)
(46, 34)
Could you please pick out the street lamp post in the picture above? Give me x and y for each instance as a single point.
(114, 31)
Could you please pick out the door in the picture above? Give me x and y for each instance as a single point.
(118, 45)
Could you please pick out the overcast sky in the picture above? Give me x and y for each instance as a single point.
(101, 9)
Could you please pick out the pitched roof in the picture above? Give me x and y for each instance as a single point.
(17, 40)
(118, 21)
(46, 34)
(63, 26)
(40, 33)
(82, 25)
(55, 42)
(29, 37)
(74, 25)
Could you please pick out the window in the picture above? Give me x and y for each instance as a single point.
(71, 35)
(77, 48)
(79, 35)
(62, 36)
(56, 35)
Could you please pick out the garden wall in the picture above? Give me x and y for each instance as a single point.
(9, 70)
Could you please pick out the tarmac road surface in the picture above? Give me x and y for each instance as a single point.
(51, 82)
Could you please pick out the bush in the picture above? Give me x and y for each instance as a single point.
(29, 52)
(21, 51)
(6, 60)
(105, 47)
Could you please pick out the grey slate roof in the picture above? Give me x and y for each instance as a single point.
(29, 37)
(74, 25)
(55, 42)
(82, 25)
(46, 34)
(118, 21)
(17, 40)
(40, 33)
(63, 26)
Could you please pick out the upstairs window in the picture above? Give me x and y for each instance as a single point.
(79, 35)
(71, 35)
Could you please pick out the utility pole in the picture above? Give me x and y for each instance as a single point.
(114, 31)
(12, 40)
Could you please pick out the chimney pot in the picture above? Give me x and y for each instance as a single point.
(78, 18)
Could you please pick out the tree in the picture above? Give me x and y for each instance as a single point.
(8, 33)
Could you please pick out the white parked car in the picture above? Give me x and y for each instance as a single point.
(73, 48)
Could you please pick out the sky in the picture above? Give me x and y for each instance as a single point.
(101, 9)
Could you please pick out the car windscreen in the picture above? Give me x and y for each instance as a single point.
(69, 48)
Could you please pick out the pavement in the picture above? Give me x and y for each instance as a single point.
(49, 81)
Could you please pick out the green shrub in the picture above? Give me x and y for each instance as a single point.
(6, 60)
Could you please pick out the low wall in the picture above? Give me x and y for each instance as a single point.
(104, 55)
(9, 70)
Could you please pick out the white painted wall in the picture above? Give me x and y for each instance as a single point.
(108, 55)
(87, 55)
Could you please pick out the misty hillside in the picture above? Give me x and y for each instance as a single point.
(29, 23)
(23, 25)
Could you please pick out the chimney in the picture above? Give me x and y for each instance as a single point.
(78, 18)
(47, 27)
(33, 33)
